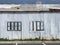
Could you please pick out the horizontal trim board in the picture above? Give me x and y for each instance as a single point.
(14, 12)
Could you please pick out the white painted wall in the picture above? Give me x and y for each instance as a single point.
(51, 25)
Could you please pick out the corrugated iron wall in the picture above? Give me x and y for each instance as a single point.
(51, 25)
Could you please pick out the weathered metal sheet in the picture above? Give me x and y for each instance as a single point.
(51, 25)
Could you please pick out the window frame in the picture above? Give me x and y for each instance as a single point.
(36, 24)
(14, 25)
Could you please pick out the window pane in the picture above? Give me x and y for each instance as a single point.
(12, 26)
(42, 28)
(8, 24)
(15, 24)
(19, 28)
(38, 26)
(15, 28)
(42, 25)
(19, 23)
(8, 28)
